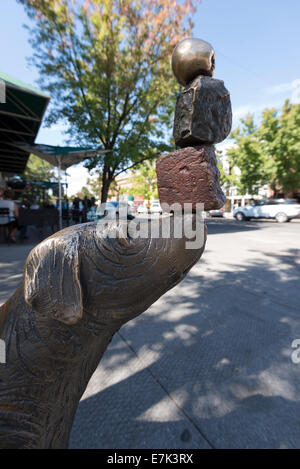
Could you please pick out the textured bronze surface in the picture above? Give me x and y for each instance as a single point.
(79, 287)
(190, 175)
(82, 284)
(203, 113)
(192, 57)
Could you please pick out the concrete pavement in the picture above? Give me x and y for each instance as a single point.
(209, 364)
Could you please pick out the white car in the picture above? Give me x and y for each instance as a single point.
(282, 210)
(155, 208)
(216, 213)
(142, 209)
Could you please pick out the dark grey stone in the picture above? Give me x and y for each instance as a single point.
(203, 113)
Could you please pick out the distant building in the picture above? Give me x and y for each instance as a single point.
(236, 200)
(121, 188)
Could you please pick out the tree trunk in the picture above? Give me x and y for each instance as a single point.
(106, 182)
(273, 188)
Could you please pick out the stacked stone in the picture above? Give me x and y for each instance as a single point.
(203, 117)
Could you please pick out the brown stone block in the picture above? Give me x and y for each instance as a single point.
(190, 175)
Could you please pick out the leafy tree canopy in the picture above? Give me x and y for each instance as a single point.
(145, 181)
(84, 192)
(39, 170)
(268, 153)
(106, 65)
(280, 137)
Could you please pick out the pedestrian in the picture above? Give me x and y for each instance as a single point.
(10, 220)
(65, 209)
(76, 210)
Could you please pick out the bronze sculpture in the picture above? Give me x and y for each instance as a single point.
(82, 284)
(202, 118)
(192, 57)
(78, 289)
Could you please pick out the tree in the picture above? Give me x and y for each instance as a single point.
(94, 185)
(106, 64)
(270, 152)
(145, 182)
(250, 157)
(228, 178)
(84, 192)
(280, 137)
(39, 170)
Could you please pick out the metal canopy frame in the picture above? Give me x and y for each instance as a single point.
(20, 120)
(62, 158)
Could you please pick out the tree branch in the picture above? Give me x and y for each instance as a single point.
(132, 166)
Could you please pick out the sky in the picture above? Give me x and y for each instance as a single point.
(257, 55)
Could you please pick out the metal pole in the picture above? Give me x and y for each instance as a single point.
(59, 193)
(66, 175)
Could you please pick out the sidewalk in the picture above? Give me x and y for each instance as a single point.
(209, 364)
(12, 258)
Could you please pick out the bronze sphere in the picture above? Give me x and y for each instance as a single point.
(192, 57)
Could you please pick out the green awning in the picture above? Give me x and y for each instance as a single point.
(20, 119)
(61, 156)
(20, 184)
(43, 184)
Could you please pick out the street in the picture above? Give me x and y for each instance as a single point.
(209, 365)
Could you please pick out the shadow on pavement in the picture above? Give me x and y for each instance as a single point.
(221, 225)
(214, 367)
(228, 225)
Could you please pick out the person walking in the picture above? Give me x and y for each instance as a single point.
(10, 220)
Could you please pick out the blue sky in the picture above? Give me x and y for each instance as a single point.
(257, 49)
(256, 43)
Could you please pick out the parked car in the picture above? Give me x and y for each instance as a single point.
(142, 209)
(155, 208)
(282, 210)
(216, 213)
(113, 208)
